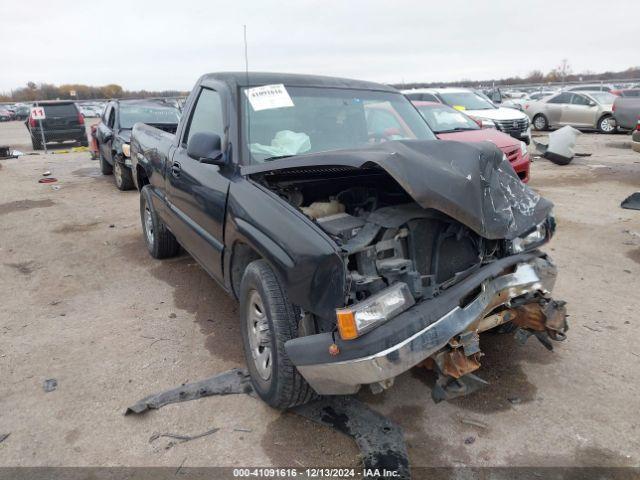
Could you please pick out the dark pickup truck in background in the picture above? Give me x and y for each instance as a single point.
(356, 251)
(114, 131)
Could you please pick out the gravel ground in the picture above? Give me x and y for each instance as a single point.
(83, 303)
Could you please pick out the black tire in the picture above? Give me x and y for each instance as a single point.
(605, 126)
(84, 143)
(36, 143)
(122, 176)
(161, 243)
(285, 387)
(540, 122)
(105, 167)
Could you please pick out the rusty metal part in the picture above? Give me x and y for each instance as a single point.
(546, 315)
(456, 364)
(556, 313)
(494, 320)
(530, 316)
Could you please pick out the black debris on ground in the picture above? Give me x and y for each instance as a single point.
(380, 440)
(50, 385)
(632, 202)
(234, 381)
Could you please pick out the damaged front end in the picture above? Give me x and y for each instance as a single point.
(436, 251)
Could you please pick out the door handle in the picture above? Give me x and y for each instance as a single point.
(176, 169)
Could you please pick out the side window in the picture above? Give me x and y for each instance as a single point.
(413, 96)
(206, 116)
(579, 100)
(112, 118)
(564, 97)
(427, 97)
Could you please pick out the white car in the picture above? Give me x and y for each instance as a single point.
(507, 120)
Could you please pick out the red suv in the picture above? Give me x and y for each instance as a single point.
(450, 124)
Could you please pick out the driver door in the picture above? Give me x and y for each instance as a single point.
(104, 133)
(197, 192)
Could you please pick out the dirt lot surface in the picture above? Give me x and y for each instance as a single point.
(83, 303)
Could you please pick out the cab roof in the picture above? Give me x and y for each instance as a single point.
(255, 79)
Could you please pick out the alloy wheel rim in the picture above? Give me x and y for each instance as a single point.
(606, 125)
(148, 225)
(540, 123)
(259, 335)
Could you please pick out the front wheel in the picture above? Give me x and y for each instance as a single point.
(160, 241)
(607, 124)
(122, 175)
(268, 320)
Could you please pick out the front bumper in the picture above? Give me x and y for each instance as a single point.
(535, 273)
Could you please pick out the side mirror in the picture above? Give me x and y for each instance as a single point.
(592, 104)
(107, 137)
(205, 147)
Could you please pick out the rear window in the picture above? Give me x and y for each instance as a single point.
(132, 114)
(61, 110)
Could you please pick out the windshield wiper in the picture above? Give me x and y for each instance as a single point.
(457, 129)
(276, 157)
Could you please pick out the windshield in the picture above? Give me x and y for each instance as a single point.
(466, 101)
(132, 114)
(603, 97)
(443, 119)
(324, 119)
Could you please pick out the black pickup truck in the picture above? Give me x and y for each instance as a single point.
(357, 244)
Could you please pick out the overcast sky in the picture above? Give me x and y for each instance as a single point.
(167, 44)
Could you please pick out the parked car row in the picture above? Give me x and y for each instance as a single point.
(13, 112)
(357, 242)
(479, 107)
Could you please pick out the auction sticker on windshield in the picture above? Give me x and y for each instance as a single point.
(268, 97)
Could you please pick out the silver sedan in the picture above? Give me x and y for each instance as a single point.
(587, 110)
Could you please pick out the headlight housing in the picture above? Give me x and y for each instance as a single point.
(485, 122)
(359, 318)
(532, 239)
(126, 149)
(523, 149)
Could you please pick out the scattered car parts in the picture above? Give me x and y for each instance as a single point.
(227, 383)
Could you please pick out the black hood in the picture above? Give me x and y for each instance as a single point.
(471, 182)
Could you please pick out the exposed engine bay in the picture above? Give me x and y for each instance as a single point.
(386, 237)
(388, 240)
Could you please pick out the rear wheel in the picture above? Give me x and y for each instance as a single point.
(160, 241)
(122, 176)
(607, 124)
(268, 320)
(540, 122)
